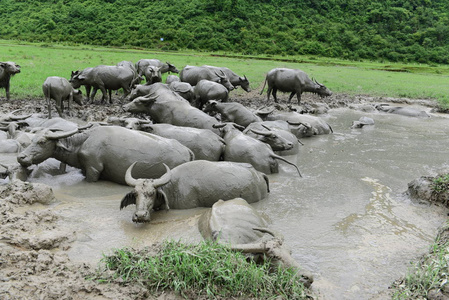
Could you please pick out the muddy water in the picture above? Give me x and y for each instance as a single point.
(346, 220)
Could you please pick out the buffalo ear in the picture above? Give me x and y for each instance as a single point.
(129, 199)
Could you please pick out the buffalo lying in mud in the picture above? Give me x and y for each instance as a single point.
(165, 106)
(106, 152)
(236, 223)
(402, 110)
(198, 183)
(243, 148)
(294, 81)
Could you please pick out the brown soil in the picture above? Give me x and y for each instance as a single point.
(33, 259)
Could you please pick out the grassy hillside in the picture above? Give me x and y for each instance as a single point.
(39, 61)
(392, 30)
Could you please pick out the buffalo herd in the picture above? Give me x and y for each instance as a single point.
(190, 148)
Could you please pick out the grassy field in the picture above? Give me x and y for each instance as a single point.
(38, 61)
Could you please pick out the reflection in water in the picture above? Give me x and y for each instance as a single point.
(346, 220)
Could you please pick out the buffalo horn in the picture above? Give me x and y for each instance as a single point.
(264, 133)
(264, 113)
(164, 179)
(52, 135)
(128, 177)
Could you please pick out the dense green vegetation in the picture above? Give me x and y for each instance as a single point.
(417, 81)
(207, 269)
(390, 30)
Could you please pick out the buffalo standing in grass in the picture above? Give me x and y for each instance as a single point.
(294, 81)
(7, 70)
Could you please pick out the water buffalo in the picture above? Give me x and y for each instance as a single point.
(172, 78)
(142, 64)
(130, 123)
(7, 70)
(183, 89)
(235, 79)
(243, 148)
(206, 90)
(199, 183)
(129, 64)
(205, 144)
(193, 75)
(105, 78)
(106, 152)
(301, 125)
(232, 112)
(165, 106)
(294, 81)
(402, 110)
(239, 225)
(59, 89)
(152, 74)
(278, 139)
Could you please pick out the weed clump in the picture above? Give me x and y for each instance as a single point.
(206, 269)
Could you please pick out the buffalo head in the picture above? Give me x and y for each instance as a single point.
(275, 140)
(322, 90)
(172, 68)
(224, 80)
(10, 68)
(42, 146)
(244, 83)
(139, 104)
(145, 195)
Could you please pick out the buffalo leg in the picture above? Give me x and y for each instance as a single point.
(274, 94)
(291, 96)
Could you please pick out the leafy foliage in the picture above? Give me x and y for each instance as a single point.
(393, 30)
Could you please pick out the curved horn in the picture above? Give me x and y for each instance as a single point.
(264, 133)
(128, 177)
(89, 125)
(164, 179)
(56, 136)
(261, 112)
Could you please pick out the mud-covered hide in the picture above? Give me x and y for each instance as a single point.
(232, 112)
(281, 140)
(165, 106)
(236, 223)
(232, 222)
(302, 125)
(235, 79)
(293, 81)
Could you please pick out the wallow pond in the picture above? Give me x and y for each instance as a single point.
(346, 220)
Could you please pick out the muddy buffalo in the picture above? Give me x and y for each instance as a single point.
(198, 183)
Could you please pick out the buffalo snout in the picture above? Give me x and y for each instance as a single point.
(141, 216)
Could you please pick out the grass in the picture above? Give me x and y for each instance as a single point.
(430, 274)
(206, 269)
(416, 81)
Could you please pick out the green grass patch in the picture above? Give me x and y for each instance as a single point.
(205, 269)
(429, 275)
(416, 81)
